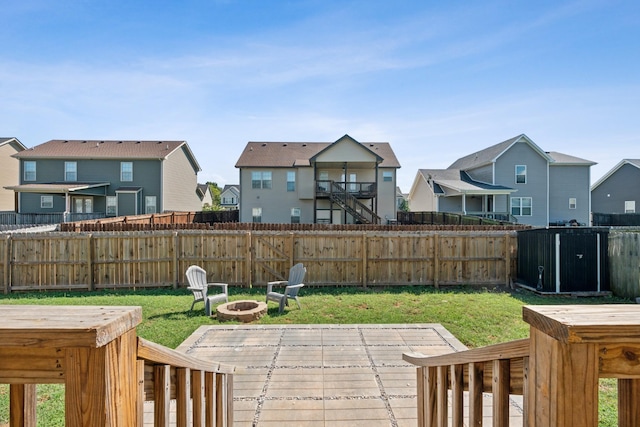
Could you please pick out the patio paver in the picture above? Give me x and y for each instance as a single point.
(325, 375)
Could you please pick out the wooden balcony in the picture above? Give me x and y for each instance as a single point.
(108, 372)
(359, 190)
(556, 370)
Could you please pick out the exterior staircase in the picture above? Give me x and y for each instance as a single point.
(352, 205)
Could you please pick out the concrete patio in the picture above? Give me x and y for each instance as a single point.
(325, 375)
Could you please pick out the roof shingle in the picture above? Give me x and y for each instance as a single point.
(291, 154)
(101, 149)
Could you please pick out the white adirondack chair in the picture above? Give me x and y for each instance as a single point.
(292, 287)
(197, 278)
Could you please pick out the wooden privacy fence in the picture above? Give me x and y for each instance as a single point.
(624, 260)
(91, 261)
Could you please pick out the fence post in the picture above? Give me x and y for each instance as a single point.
(291, 255)
(90, 254)
(507, 259)
(7, 265)
(249, 263)
(364, 259)
(175, 259)
(436, 261)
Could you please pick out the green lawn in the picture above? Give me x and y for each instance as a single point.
(477, 317)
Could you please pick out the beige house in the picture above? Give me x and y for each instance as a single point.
(9, 171)
(344, 182)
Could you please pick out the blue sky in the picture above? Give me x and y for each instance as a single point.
(436, 79)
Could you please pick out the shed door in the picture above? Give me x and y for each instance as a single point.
(578, 262)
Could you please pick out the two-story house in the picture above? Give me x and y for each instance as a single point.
(514, 179)
(618, 191)
(110, 178)
(230, 197)
(9, 167)
(344, 182)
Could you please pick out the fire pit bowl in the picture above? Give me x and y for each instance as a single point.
(243, 310)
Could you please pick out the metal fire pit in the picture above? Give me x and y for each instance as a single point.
(244, 310)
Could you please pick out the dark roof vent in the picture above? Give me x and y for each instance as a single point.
(284, 145)
(264, 144)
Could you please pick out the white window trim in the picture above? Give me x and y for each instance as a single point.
(293, 181)
(115, 205)
(573, 203)
(26, 177)
(296, 213)
(74, 171)
(147, 205)
(48, 204)
(629, 206)
(256, 213)
(521, 174)
(520, 206)
(122, 172)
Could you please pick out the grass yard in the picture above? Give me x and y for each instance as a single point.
(477, 317)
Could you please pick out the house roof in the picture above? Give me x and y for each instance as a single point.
(203, 188)
(491, 154)
(560, 159)
(292, 154)
(11, 140)
(632, 162)
(461, 182)
(60, 187)
(106, 149)
(231, 187)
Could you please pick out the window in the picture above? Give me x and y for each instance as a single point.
(295, 215)
(46, 202)
(387, 176)
(521, 174)
(261, 179)
(630, 206)
(521, 206)
(70, 171)
(126, 171)
(572, 202)
(323, 178)
(291, 181)
(29, 171)
(150, 206)
(82, 204)
(228, 200)
(256, 214)
(112, 206)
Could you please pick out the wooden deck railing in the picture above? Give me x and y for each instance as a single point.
(499, 369)
(107, 371)
(203, 390)
(557, 370)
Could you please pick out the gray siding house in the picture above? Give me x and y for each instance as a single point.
(230, 197)
(618, 191)
(107, 178)
(9, 171)
(344, 182)
(513, 180)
